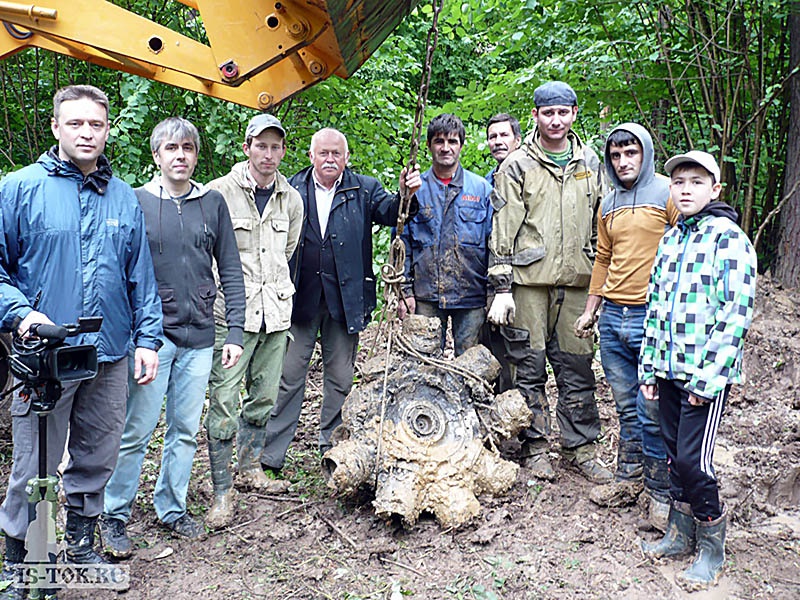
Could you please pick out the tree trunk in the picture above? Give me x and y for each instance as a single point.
(787, 268)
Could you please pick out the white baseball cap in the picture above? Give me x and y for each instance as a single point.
(704, 159)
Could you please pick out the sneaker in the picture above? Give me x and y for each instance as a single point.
(186, 526)
(114, 538)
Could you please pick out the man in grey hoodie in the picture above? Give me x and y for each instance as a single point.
(189, 228)
(632, 219)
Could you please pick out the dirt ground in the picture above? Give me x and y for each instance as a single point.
(541, 540)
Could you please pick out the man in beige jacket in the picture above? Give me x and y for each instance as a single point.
(267, 215)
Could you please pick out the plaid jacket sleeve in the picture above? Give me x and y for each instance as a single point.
(651, 322)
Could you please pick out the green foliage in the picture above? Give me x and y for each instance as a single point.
(700, 74)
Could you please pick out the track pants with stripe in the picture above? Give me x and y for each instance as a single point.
(690, 433)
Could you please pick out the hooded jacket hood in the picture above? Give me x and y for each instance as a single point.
(716, 208)
(647, 187)
(648, 170)
(97, 179)
(196, 190)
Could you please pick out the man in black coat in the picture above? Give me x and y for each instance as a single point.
(332, 273)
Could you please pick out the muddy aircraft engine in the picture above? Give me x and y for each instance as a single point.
(428, 444)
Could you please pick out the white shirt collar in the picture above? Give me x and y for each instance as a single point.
(318, 185)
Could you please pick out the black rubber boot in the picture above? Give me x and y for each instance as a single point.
(707, 566)
(15, 554)
(220, 453)
(656, 477)
(79, 535)
(629, 461)
(679, 539)
(656, 482)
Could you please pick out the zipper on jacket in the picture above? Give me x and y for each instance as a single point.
(672, 304)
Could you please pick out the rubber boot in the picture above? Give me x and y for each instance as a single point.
(220, 454)
(15, 554)
(627, 484)
(629, 461)
(707, 566)
(679, 538)
(249, 444)
(584, 460)
(534, 458)
(79, 535)
(656, 483)
(658, 513)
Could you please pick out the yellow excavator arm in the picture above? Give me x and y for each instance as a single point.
(258, 53)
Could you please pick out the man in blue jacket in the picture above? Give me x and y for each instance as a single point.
(332, 273)
(446, 242)
(73, 244)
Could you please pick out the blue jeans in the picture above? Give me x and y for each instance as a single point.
(182, 377)
(467, 323)
(621, 331)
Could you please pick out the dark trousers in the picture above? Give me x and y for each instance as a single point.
(338, 362)
(94, 413)
(690, 433)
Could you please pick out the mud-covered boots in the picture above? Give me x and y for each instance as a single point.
(79, 535)
(621, 492)
(114, 536)
(220, 453)
(679, 538)
(584, 460)
(658, 512)
(707, 566)
(15, 554)
(627, 484)
(249, 444)
(656, 482)
(534, 458)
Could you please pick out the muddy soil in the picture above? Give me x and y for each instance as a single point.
(540, 540)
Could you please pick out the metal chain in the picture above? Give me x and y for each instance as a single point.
(392, 271)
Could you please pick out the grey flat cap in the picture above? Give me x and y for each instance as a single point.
(261, 122)
(554, 93)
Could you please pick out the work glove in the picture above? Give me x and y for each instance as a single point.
(584, 325)
(502, 310)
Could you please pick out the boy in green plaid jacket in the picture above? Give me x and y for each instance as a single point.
(700, 305)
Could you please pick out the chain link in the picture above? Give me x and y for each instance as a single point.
(392, 271)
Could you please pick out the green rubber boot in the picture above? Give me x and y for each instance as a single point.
(707, 566)
(679, 539)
